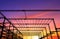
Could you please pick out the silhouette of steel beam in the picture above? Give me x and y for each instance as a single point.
(37, 27)
(28, 23)
(9, 22)
(45, 31)
(49, 34)
(30, 18)
(34, 30)
(50, 30)
(55, 28)
(2, 27)
(34, 18)
(27, 10)
(42, 33)
(58, 30)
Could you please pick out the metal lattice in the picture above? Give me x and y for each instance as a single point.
(26, 24)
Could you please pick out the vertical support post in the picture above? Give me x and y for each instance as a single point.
(25, 14)
(3, 27)
(9, 27)
(13, 34)
(8, 33)
(55, 29)
(43, 34)
(50, 31)
(46, 32)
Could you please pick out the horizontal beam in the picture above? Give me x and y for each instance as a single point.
(58, 29)
(27, 10)
(32, 30)
(31, 27)
(28, 23)
(31, 23)
(30, 18)
(28, 27)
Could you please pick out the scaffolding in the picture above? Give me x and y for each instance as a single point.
(11, 30)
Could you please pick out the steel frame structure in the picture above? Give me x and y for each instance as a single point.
(3, 26)
(39, 31)
(33, 23)
(8, 19)
(33, 27)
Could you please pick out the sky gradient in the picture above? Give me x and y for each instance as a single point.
(31, 5)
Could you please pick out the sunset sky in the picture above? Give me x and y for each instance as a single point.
(32, 5)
